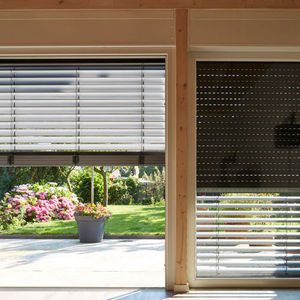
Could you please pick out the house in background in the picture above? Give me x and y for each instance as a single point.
(182, 33)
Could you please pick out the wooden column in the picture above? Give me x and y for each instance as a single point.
(181, 150)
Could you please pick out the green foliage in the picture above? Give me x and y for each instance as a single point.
(5, 182)
(118, 193)
(37, 174)
(133, 188)
(154, 191)
(125, 191)
(81, 183)
(125, 171)
(131, 191)
(150, 170)
(251, 194)
(10, 177)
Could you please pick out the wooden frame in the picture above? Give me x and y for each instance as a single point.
(138, 52)
(181, 150)
(148, 4)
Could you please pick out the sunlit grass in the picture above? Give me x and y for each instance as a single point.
(126, 219)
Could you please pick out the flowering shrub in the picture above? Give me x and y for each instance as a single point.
(36, 203)
(95, 211)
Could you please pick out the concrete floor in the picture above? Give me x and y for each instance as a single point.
(113, 269)
(239, 295)
(68, 263)
(84, 294)
(143, 294)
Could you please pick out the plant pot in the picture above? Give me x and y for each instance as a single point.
(90, 230)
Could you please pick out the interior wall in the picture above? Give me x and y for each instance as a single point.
(212, 34)
(260, 28)
(87, 27)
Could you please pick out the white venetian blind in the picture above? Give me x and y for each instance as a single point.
(248, 236)
(87, 110)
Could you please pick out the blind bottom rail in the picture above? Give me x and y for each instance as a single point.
(43, 159)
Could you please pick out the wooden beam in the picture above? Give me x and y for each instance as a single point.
(181, 148)
(149, 4)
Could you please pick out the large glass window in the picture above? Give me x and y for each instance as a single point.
(248, 197)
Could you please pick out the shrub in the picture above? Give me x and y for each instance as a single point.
(81, 182)
(36, 203)
(154, 191)
(118, 193)
(133, 187)
(5, 181)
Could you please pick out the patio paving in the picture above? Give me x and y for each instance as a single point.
(69, 263)
(144, 294)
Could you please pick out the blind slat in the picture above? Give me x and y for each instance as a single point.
(237, 234)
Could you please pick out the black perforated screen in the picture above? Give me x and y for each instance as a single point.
(248, 124)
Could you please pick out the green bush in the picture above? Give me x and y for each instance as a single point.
(81, 183)
(118, 193)
(125, 191)
(154, 191)
(134, 188)
(5, 181)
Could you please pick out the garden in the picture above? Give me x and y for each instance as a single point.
(43, 201)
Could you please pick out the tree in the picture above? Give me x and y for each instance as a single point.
(148, 170)
(81, 185)
(104, 173)
(65, 172)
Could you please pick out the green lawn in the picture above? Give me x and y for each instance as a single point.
(126, 219)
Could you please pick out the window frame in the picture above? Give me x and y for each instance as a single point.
(216, 53)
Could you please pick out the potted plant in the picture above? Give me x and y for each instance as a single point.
(90, 220)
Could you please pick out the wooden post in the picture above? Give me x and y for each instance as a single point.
(181, 150)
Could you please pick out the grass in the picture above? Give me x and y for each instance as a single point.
(126, 219)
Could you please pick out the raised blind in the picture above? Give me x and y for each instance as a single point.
(81, 109)
(248, 125)
(248, 236)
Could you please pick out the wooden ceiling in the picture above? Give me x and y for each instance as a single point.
(148, 4)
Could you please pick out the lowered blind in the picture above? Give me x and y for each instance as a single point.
(248, 125)
(248, 138)
(66, 113)
(244, 236)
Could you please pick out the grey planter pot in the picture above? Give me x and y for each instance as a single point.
(90, 230)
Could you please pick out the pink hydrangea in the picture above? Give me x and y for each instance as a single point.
(38, 203)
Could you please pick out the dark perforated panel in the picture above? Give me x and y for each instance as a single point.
(248, 124)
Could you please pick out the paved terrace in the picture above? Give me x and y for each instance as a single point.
(68, 263)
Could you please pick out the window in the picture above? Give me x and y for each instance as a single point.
(248, 142)
(82, 112)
